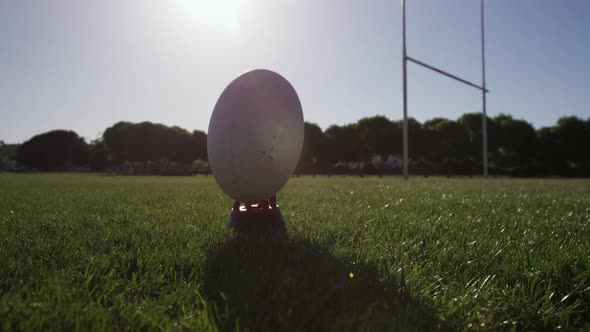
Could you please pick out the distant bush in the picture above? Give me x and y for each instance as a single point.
(54, 150)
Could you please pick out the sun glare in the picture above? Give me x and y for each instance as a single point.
(224, 13)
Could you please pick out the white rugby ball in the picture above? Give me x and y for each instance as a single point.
(255, 136)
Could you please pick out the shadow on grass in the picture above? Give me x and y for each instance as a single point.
(289, 284)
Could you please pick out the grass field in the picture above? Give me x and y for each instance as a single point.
(80, 252)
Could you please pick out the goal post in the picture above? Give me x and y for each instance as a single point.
(406, 58)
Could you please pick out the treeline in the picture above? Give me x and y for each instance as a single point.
(373, 145)
(123, 143)
(445, 147)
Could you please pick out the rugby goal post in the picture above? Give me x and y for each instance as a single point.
(406, 58)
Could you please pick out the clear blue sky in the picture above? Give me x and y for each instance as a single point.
(84, 65)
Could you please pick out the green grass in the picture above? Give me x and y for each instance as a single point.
(82, 252)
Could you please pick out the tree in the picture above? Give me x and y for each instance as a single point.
(176, 145)
(472, 122)
(417, 144)
(54, 150)
(447, 143)
(515, 143)
(314, 150)
(146, 141)
(563, 148)
(573, 137)
(199, 145)
(98, 156)
(115, 140)
(345, 144)
(379, 135)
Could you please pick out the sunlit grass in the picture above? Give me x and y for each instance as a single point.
(81, 251)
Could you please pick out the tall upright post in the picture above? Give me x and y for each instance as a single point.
(405, 82)
(484, 122)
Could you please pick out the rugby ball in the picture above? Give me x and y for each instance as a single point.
(255, 136)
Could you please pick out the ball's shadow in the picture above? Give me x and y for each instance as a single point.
(273, 282)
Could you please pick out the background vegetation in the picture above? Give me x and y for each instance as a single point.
(437, 146)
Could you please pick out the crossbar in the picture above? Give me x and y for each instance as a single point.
(446, 74)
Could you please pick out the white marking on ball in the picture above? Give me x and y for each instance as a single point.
(255, 136)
